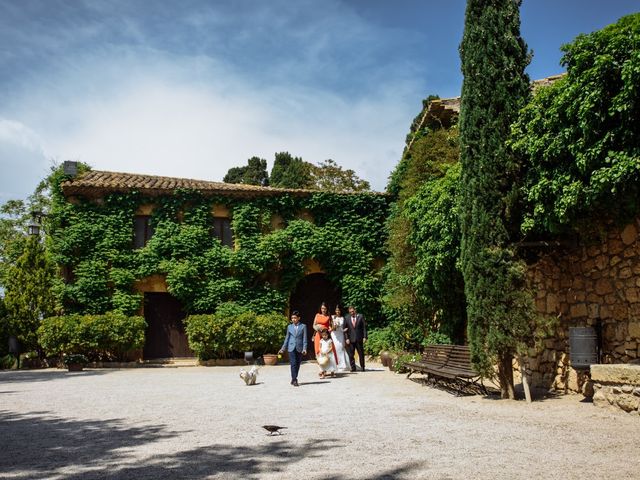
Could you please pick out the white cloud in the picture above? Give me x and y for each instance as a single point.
(159, 121)
(149, 105)
(23, 162)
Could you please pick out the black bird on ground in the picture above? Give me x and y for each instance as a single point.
(273, 429)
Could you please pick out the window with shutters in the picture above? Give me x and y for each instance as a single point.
(143, 230)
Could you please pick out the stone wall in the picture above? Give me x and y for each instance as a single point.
(616, 386)
(593, 282)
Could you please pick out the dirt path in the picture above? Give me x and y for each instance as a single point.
(203, 422)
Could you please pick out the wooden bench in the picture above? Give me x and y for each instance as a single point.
(451, 364)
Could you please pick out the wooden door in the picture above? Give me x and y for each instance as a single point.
(165, 336)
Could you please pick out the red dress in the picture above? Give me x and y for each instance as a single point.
(325, 322)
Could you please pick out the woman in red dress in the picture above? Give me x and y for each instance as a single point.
(320, 322)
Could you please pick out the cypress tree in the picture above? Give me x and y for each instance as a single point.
(495, 87)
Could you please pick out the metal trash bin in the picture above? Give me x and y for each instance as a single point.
(583, 347)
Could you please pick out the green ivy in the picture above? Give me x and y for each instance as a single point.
(94, 240)
(581, 135)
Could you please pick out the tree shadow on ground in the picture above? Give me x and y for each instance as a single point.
(38, 445)
(16, 376)
(458, 389)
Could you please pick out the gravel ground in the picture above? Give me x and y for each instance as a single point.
(199, 422)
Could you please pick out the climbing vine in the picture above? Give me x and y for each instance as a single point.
(581, 135)
(93, 240)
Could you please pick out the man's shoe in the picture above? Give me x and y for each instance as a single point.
(295, 383)
(353, 369)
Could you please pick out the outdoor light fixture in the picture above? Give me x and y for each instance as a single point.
(33, 228)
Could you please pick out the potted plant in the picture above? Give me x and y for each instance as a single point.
(74, 362)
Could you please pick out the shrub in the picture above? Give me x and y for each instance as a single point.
(386, 338)
(100, 337)
(242, 335)
(7, 362)
(271, 328)
(232, 331)
(207, 335)
(399, 364)
(75, 358)
(436, 338)
(402, 336)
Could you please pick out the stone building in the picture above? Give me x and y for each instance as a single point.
(586, 282)
(125, 241)
(595, 283)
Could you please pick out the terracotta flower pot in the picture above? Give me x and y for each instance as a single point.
(270, 359)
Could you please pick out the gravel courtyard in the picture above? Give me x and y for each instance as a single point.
(199, 422)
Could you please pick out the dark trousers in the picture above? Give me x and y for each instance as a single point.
(358, 346)
(295, 359)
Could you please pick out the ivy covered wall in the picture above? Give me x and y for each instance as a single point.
(93, 240)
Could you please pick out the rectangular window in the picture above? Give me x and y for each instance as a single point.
(222, 231)
(143, 230)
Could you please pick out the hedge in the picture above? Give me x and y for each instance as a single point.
(224, 335)
(110, 336)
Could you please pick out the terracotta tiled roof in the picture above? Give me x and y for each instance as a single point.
(95, 183)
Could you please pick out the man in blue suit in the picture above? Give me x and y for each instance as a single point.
(295, 342)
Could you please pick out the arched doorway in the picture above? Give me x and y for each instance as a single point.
(310, 292)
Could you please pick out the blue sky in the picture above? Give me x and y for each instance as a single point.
(192, 88)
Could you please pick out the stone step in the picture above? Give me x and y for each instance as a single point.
(172, 362)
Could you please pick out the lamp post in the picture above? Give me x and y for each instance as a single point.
(34, 226)
(33, 229)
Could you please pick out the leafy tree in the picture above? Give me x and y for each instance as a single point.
(4, 329)
(13, 226)
(290, 172)
(254, 173)
(581, 135)
(435, 237)
(494, 88)
(328, 175)
(235, 175)
(15, 215)
(423, 284)
(28, 292)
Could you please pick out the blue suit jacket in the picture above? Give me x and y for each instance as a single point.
(295, 341)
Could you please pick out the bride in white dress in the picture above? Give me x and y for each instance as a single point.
(337, 335)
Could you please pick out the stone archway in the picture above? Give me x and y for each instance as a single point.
(307, 297)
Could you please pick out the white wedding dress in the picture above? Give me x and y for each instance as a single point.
(337, 335)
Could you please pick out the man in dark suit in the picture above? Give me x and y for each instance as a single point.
(295, 342)
(355, 336)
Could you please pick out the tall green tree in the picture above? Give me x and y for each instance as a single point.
(494, 89)
(15, 215)
(29, 292)
(290, 172)
(328, 175)
(423, 283)
(253, 173)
